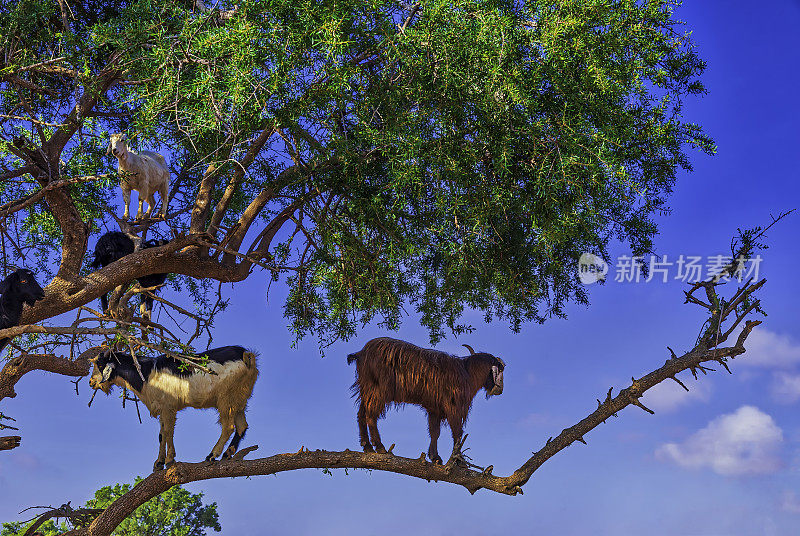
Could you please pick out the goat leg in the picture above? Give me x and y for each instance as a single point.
(140, 208)
(169, 437)
(238, 435)
(164, 198)
(151, 201)
(145, 307)
(362, 428)
(457, 428)
(434, 428)
(159, 463)
(126, 198)
(372, 424)
(226, 421)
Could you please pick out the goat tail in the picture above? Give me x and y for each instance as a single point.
(351, 358)
(249, 359)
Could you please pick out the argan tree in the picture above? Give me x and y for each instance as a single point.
(373, 156)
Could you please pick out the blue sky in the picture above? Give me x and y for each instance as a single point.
(722, 460)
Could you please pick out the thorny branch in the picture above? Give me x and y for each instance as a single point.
(79, 517)
(708, 349)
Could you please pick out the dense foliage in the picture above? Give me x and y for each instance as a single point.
(448, 154)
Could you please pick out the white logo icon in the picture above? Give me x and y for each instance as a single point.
(591, 268)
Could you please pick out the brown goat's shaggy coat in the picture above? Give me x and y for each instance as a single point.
(394, 371)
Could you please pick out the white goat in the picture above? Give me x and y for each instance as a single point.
(168, 388)
(145, 172)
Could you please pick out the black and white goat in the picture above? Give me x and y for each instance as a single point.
(114, 245)
(168, 388)
(20, 287)
(393, 371)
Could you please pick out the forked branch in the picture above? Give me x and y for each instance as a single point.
(19, 366)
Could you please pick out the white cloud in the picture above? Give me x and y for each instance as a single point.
(745, 442)
(790, 502)
(785, 387)
(768, 349)
(668, 395)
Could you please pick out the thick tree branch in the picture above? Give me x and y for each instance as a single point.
(9, 442)
(238, 176)
(233, 240)
(182, 473)
(260, 248)
(19, 366)
(21, 82)
(16, 173)
(202, 203)
(177, 256)
(74, 230)
(19, 204)
(455, 473)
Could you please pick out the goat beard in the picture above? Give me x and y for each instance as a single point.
(496, 390)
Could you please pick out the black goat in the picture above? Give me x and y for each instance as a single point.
(114, 245)
(18, 288)
(152, 280)
(393, 371)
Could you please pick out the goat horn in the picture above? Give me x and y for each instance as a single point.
(468, 347)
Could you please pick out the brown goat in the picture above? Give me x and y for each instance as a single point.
(393, 371)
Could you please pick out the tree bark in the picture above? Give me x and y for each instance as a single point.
(9, 442)
(19, 366)
(455, 471)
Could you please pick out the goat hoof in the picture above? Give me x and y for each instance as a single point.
(380, 449)
(158, 466)
(368, 448)
(211, 458)
(436, 460)
(228, 454)
(169, 464)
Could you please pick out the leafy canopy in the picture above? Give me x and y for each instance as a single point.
(176, 512)
(449, 154)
